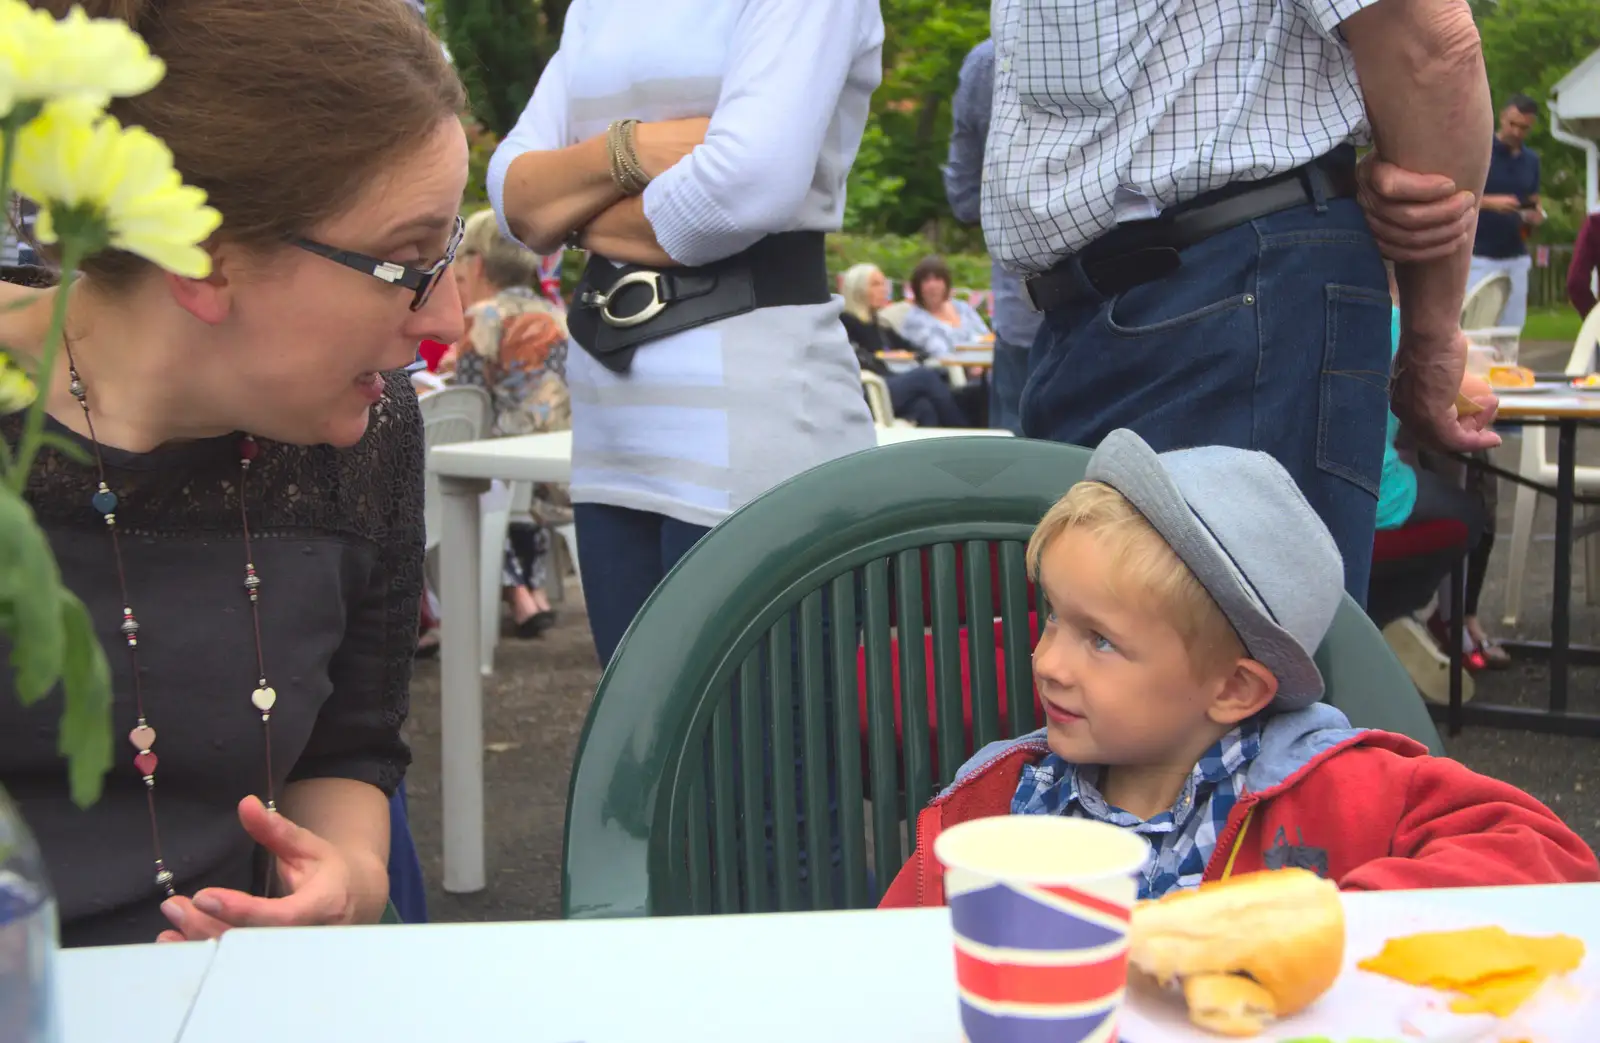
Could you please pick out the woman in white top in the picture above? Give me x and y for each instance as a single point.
(939, 323)
(750, 114)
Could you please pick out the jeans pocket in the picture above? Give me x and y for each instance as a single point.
(1143, 323)
(1354, 402)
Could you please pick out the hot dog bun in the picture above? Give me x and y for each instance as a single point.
(1247, 950)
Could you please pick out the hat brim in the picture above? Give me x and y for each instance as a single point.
(1126, 462)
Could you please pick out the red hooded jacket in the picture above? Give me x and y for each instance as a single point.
(1373, 813)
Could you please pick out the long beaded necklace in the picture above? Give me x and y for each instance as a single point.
(143, 735)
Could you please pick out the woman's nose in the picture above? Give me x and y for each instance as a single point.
(441, 317)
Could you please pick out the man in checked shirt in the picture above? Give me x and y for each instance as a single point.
(1178, 182)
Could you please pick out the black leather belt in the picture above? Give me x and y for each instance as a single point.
(1144, 251)
(616, 310)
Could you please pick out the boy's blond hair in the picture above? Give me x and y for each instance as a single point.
(1142, 567)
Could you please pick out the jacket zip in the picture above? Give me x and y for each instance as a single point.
(922, 853)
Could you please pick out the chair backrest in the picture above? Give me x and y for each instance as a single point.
(877, 392)
(1581, 361)
(748, 653)
(453, 414)
(1485, 301)
(894, 314)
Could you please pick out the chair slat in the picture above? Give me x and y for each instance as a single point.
(725, 809)
(782, 711)
(1015, 639)
(916, 744)
(980, 643)
(883, 756)
(843, 641)
(699, 844)
(753, 805)
(946, 602)
(816, 762)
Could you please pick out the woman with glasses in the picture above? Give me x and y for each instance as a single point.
(242, 511)
(699, 151)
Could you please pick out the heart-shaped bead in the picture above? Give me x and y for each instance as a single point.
(145, 763)
(143, 737)
(263, 698)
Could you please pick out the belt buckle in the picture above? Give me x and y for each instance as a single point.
(602, 301)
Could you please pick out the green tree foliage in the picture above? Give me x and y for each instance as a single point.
(896, 185)
(1528, 46)
(500, 47)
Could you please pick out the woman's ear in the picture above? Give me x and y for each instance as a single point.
(209, 299)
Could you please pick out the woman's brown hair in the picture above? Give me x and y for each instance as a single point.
(282, 112)
(929, 268)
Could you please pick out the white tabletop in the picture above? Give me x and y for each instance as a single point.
(548, 458)
(1552, 400)
(130, 993)
(871, 976)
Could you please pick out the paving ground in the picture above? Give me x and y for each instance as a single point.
(535, 705)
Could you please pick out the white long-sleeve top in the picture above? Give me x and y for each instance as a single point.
(711, 417)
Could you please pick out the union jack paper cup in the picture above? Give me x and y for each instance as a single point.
(1040, 906)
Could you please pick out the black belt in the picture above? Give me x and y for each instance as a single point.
(615, 310)
(1144, 251)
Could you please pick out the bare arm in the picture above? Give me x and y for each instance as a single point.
(548, 194)
(1420, 63)
(353, 817)
(622, 233)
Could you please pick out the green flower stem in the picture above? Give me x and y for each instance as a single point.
(72, 254)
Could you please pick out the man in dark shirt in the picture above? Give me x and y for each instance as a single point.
(1585, 262)
(1509, 208)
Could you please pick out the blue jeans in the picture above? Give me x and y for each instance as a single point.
(406, 889)
(624, 553)
(923, 396)
(1273, 335)
(1006, 380)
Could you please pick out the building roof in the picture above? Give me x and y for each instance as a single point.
(1577, 96)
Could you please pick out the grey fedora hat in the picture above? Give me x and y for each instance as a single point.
(1243, 527)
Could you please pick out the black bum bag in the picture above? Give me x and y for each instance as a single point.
(615, 310)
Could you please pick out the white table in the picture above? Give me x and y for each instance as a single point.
(882, 977)
(465, 470)
(130, 993)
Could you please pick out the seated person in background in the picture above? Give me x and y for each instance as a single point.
(1410, 495)
(1187, 593)
(939, 323)
(920, 395)
(515, 349)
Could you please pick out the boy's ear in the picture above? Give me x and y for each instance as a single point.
(1245, 692)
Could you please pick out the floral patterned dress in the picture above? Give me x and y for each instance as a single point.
(515, 348)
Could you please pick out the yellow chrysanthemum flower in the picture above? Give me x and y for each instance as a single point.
(91, 59)
(84, 170)
(16, 387)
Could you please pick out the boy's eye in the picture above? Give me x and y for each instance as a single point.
(1101, 643)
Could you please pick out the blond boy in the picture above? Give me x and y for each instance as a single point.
(1188, 591)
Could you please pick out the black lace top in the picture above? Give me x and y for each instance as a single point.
(338, 538)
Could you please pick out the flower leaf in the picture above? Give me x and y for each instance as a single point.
(30, 592)
(85, 735)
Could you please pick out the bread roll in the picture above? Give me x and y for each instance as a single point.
(1247, 950)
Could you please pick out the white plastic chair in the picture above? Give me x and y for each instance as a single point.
(1536, 467)
(450, 415)
(877, 392)
(1485, 301)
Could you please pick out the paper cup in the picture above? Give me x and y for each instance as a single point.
(1040, 906)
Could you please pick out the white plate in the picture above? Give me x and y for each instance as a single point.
(1371, 1006)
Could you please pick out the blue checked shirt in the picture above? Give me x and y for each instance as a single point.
(1183, 837)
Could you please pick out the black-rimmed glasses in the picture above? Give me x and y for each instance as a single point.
(420, 281)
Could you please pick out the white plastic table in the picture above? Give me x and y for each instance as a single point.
(882, 977)
(465, 470)
(130, 993)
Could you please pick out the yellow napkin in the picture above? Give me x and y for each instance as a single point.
(1495, 971)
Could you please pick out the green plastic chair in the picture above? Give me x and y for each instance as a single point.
(767, 613)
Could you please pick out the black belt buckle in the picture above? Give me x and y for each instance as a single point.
(654, 305)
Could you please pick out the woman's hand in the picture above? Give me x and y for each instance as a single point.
(1414, 217)
(660, 145)
(324, 885)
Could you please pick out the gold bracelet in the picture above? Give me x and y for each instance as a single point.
(626, 171)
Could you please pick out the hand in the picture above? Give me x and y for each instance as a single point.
(1414, 217)
(1533, 216)
(1427, 379)
(1501, 204)
(323, 885)
(660, 145)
